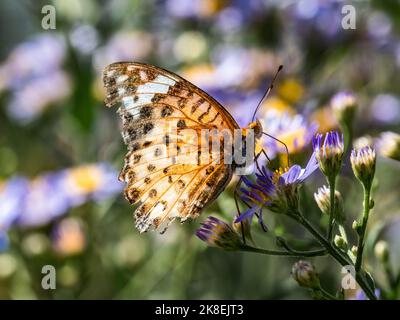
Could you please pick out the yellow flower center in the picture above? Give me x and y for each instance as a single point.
(85, 179)
(294, 139)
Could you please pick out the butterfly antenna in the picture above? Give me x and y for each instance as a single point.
(270, 87)
(284, 144)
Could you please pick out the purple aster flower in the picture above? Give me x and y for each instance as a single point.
(217, 233)
(92, 181)
(329, 152)
(32, 72)
(360, 295)
(52, 195)
(276, 191)
(294, 130)
(45, 200)
(39, 56)
(12, 195)
(29, 101)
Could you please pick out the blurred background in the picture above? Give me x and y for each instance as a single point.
(61, 150)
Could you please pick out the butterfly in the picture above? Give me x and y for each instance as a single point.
(152, 100)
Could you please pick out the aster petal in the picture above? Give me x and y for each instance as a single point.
(292, 175)
(312, 165)
(247, 214)
(317, 141)
(247, 182)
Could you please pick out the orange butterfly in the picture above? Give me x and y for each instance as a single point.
(152, 101)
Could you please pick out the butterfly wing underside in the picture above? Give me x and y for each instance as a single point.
(152, 101)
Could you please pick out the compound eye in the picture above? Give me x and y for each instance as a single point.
(258, 129)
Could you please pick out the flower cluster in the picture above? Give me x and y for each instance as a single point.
(33, 74)
(36, 202)
(294, 130)
(277, 191)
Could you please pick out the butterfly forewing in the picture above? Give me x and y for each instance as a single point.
(168, 172)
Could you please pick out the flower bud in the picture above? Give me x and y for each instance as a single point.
(363, 163)
(362, 142)
(382, 251)
(217, 233)
(305, 274)
(344, 105)
(323, 200)
(389, 145)
(371, 203)
(329, 153)
(340, 242)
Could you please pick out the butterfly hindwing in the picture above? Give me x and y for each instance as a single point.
(167, 182)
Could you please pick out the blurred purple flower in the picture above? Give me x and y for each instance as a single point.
(32, 99)
(84, 38)
(182, 8)
(32, 73)
(95, 181)
(12, 194)
(34, 58)
(385, 108)
(360, 295)
(229, 20)
(37, 202)
(294, 130)
(123, 46)
(45, 200)
(312, 15)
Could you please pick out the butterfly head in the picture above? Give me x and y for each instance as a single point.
(256, 127)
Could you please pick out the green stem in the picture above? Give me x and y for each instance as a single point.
(320, 238)
(326, 295)
(360, 247)
(336, 254)
(293, 253)
(332, 186)
(348, 134)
